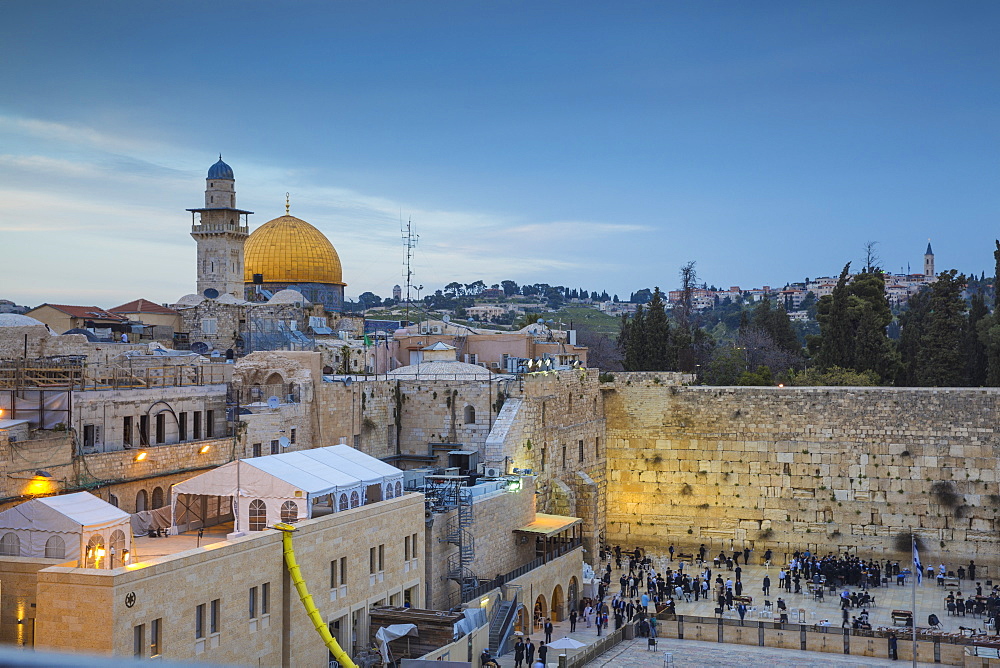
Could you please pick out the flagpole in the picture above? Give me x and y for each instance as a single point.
(913, 592)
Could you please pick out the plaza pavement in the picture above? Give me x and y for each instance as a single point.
(930, 599)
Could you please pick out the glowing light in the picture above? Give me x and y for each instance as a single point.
(140, 457)
(205, 448)
(39, 486)
(125, 556)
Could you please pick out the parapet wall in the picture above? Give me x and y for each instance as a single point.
(795, 468)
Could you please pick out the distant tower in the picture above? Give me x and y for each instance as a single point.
(220, 234)
(397, 292)
(929, 261)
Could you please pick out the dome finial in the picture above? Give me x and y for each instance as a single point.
(287, 205)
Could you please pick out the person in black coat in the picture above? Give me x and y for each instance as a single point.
(518, 653)
(529, 651)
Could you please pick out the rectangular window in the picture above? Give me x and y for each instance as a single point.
(197, 425)
(209, 424)
(413, 542)
(597, 446)
(372, 560)
(357, 441)
(154, 637)
(213, 621)
(291, 436)
(161, 428)
(138, 639)
(143, 430)
(333, 574)
(406, 548)
(199, 621)
(543, 459)
(265, 598)
(209, 325)
(343, 571)
(182, 427)
(127, 430)
(253, 602)
(581, 450)
(381, 557)
(256, 449)
(274, 447)
(564, 456)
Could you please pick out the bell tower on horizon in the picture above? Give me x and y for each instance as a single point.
(929, 261)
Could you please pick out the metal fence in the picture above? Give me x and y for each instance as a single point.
(499, 581)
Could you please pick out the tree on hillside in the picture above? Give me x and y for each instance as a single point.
(775, 322)
(602, 351)
(933, 350)
(853, 323)
(510, 288)
(975, 349)
(645, 340)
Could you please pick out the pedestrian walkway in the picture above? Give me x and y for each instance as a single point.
(694, 653)
(930, 598)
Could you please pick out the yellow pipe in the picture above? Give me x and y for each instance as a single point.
(300, 586)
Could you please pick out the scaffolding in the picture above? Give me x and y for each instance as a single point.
(449, 492)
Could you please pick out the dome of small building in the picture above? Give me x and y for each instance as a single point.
(290, 250)
(227, 298)
(221, 170)
(190, 300)
(288, 297)
(18, 320)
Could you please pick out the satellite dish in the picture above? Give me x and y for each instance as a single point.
(446, 318)
(211, 293)
(200, 347)
(284, 441)
(348, 381)
(273, 402)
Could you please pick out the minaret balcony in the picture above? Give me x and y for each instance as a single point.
(210, 228)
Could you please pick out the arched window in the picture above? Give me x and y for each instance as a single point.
(140, 501)
(258, 515)
(55, 548)
(343, 502)
(10, 545)
(117, 548)
(470, 415)
(399, 488)
(388, 491)
(289, 512)
(355, 500)
(95, 552)
(157, 498)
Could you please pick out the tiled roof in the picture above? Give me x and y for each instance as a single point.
(86, 312)
(143, 306)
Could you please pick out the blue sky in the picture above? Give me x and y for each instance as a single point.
(597, 145)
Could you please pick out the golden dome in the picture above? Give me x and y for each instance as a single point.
(290, 250)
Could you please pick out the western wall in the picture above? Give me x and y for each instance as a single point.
(823, 468)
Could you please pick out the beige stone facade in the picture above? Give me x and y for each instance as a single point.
(790, 468)
(171, 588)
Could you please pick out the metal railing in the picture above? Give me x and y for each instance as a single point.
(501, 580)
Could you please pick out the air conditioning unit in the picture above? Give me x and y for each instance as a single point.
(494, 365)
(425, 329)
(492, 472)
(435, 329)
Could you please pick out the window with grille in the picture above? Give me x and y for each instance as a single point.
(289, 512)
(258, 515)
(55, 548)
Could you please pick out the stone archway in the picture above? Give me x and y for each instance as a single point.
(521, 620)
(573, 595)
(558, 612)
(539, 613)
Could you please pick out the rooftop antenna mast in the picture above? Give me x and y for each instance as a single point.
(409, 244)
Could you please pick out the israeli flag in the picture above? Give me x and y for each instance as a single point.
(916, 562)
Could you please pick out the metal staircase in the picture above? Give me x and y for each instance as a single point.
(502, 625)
(458, 534)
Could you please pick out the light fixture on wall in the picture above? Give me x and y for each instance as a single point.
(204, 449)
(141, 456)
(43, 474)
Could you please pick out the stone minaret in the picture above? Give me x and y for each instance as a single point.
(220, 234)
(929, 261)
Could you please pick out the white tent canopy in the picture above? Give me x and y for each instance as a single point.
(77, 526)
(284, 487)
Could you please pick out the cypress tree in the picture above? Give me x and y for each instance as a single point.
(975, 349)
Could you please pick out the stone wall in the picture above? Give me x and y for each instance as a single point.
(791, 468)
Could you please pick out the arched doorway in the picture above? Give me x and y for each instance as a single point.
(140, 501)
(540, 612)
(558, 602)
(521, 620)
(157, 498)
(574, 594)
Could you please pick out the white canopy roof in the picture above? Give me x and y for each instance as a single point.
(380, 468)
(314, 473)
(66, 513)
